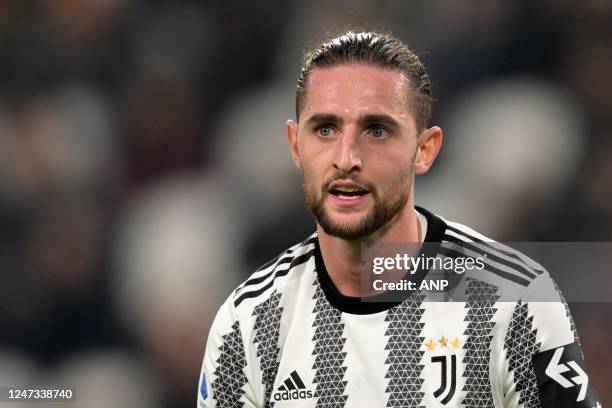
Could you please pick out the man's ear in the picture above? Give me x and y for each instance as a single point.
(292, 133)
(429, 144)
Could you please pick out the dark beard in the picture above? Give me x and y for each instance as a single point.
(380, 215)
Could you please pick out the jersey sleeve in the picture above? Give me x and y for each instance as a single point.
(544, 361)
(227, 376)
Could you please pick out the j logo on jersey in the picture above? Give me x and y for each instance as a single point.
(443, 354)
(562, 380)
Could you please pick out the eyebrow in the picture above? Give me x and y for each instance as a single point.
(319, 118)
(364, 121)
(385, 120)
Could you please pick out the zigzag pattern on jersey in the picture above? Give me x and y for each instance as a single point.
(229, 374)
(405, 353)
(267, 326)
(500, 259)
(520, 344)
(328, 351)
(277, 267)
(480, 305)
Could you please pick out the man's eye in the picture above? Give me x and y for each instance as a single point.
(378, 132)
(324, 131)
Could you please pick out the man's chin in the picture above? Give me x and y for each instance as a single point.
(348, 234)
(349, 229)
(349, 224)
(347, 220)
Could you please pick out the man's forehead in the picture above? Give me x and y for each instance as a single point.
(358, 77)
(357, 87)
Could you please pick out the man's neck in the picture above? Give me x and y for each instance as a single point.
(343, 258)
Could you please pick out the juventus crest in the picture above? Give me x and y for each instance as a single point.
(444, 360)
(448, 377)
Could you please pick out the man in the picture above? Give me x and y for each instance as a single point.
(315, 326)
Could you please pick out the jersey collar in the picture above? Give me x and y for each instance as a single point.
(378, 303)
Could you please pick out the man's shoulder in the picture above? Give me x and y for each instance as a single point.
(275, 273)
(503, 263)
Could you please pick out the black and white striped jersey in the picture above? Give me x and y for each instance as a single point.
(287, 338)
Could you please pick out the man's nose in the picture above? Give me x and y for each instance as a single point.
(348, 156)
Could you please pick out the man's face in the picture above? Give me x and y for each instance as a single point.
(356, 145)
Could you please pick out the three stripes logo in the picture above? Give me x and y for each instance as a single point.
(292, 388)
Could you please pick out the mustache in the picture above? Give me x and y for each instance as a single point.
(345, 176)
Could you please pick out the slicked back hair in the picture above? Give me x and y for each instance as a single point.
(381, 50)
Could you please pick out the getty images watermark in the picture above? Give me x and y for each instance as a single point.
(409, 265)
(527, 271)
(394, 269)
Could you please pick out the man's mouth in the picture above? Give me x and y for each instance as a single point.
(347, 192)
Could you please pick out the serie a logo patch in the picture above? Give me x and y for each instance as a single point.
(203, 388)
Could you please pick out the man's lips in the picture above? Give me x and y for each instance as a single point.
(347, 193)
(347, 186)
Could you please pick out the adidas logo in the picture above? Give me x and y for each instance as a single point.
(292, 388)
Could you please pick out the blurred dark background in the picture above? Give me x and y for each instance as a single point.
(144, 170)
